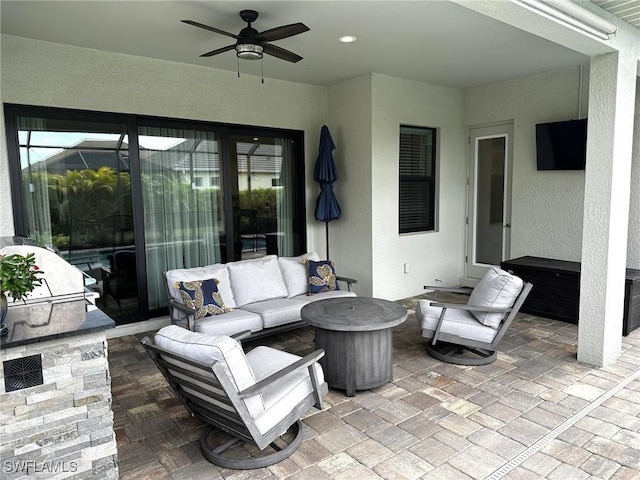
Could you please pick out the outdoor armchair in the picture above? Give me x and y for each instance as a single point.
(469, 334)
(257, 398)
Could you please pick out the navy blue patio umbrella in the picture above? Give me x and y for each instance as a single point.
(325, 173)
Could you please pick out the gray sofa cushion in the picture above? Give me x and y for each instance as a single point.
(457, 322)
(256, 280)
(277, 311)
(321, 296)
(294, 271)
(498, 289)
(207, 349)
(229, 323)
(279, 401)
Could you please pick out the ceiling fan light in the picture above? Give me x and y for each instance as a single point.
(347, 39)
(249, 51)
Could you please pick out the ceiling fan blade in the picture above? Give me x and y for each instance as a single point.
(280, 53)
(219, 50)
(211, 29)
(284, 31)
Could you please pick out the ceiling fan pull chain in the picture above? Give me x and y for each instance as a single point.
(262, 69)
(238, 60)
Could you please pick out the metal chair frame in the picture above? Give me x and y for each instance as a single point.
(453, 348)
(226, 411)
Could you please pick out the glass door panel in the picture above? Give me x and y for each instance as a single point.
(489, 199)
(490, 196)
(263, 196)
(77, 198)
(182, 203)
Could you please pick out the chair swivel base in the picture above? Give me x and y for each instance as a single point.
(461, 355)
(226, 456)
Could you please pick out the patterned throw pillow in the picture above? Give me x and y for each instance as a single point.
(322, 276)
(202, 296)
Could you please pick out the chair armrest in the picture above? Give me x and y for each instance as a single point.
(268, 382)
(241, 335)
(459, 306)
(463, 290)
(347, 280)
(182, 307)
(470, 308)
(190, 313)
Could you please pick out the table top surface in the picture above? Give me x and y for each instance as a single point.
(355, 314)
(528, 261)
(43, 321)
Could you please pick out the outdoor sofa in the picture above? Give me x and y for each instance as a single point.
(263, 295)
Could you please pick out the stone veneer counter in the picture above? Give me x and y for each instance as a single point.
(55, 393)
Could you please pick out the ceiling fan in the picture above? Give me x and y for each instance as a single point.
(251, 44)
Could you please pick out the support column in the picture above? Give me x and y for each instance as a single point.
(606, 207)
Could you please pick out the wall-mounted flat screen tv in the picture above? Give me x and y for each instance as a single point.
(561, 145)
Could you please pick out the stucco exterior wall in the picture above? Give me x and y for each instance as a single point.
(432, 255)
(351, 235)
(46, 74)
(547, 206)
(633, 247)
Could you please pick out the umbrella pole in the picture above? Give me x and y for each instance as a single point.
(326, 224)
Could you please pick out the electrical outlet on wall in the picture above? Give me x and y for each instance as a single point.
(406, 267)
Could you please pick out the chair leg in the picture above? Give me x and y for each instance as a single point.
(457, 354)
(253, 458)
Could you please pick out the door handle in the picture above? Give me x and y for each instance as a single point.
(507, 225)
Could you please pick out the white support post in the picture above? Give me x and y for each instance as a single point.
(606, 207)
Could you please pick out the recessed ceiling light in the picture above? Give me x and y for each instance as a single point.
(347, 39)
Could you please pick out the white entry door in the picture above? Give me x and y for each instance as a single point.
(489, 219)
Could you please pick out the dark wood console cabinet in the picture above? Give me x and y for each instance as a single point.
(556, 290)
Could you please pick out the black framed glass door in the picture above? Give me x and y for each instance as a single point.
(126, 197)
(76, 197)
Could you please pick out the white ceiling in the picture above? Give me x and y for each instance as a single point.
(627, 10)
(437, 42)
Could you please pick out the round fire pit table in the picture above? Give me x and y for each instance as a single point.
(356, 335)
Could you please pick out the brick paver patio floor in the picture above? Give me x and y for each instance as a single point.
(535, 413)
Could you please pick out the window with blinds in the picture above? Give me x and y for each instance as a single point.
(417, 179)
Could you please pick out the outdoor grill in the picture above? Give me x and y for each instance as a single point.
(58, 305)
(61, 280)
(54, 374)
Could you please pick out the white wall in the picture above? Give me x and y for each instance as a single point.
(547, 205)
(633, 247)
(364, 115)
(46, 74)
(433, 255)
(351, 235)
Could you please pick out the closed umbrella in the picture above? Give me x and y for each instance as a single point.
(325, 173)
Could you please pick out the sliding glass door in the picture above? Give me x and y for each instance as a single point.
(125, 198)
(264, 189)
(182, 204)
(76, 197)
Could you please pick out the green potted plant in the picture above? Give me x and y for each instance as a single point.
(19, 275)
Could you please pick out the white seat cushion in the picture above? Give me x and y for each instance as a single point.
(457, 322)
(496, 289)
(277, 311)
(229, 323)
(206, 349)
(294, 272)
(256, 280)
(282, 399)
(218, 271)
(323, 295)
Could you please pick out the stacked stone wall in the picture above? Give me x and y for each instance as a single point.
(64, 427)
